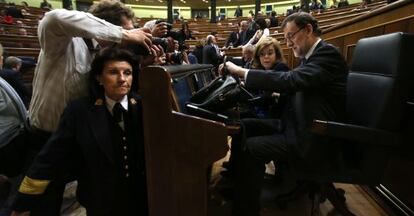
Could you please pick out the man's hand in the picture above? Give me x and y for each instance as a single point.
(159, 30)
(157, 57)
(137, 36)
(233, 69)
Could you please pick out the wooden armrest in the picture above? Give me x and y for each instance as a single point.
(356, 133)
(233, 129)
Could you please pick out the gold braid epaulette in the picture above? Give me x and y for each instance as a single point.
(33, 186)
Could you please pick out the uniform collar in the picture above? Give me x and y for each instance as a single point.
(111, 103)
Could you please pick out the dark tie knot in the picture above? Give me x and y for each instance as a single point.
(118, 111)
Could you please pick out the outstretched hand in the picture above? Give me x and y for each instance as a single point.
(233, 69)
(159, 30)
(137, 36)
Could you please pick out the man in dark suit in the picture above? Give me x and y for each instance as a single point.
(11, 73)
(211, 52)
(234, 38)
(243, 32)
(251, 27)
(99, 141)
(315, 89)
(273, 20)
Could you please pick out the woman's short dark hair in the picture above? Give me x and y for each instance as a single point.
(268, 41)
(302, 19)
(98, 63)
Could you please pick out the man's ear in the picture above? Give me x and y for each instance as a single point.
(309, 28)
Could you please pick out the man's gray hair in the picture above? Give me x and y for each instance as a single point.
(249, 47)
(209, 39)
(12, 62)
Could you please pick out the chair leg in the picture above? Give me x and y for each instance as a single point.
(337, 198)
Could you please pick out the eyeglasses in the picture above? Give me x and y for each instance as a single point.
(292, 35)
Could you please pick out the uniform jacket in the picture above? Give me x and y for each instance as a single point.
(82, 147)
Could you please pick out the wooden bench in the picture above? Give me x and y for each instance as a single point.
(178, 147)
(18, 52)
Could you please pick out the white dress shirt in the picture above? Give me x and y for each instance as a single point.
(64, 61)
(110, 106)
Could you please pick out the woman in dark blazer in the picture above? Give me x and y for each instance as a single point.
(267, 106)
(268, 56)
(99, 142)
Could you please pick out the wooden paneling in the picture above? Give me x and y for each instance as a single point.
(178, 148)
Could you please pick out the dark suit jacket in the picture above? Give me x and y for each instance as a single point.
(251, 30)
(244, 37)
(274, 22)
(15, 80)
(210, 55)
(317, 91)
(234, 39)
(82, 146)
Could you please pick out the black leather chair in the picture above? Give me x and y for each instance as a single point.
(380, 92)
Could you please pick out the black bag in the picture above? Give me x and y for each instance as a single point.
(221, 94)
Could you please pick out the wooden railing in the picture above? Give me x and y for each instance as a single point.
(179, 148)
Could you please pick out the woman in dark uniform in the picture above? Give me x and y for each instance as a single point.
(99, 142)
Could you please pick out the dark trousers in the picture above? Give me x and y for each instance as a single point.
(261, 141)
(50, 202)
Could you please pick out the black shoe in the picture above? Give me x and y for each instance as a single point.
(226, 165)
(228, 174)
(227, 193)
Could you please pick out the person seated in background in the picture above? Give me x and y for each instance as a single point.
(244, 32)
(261, 33)
(247, 55)
(184, 34)
(364, 4)
(192, 58)
(13, 11)
(316, 5)
(274, 22)
(343, 3)
(316, 89)
(198, 51)
(99, 141)
(11, 73)
(211, 52)
(45, 5)
(22, 32)
(234, 38)
(251, 27)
